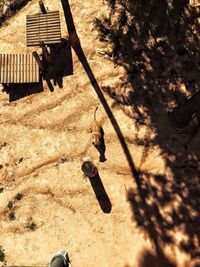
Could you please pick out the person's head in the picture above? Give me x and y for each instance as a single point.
(60, 259)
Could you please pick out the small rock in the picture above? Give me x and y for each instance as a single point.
(10, 205)
(18, 196)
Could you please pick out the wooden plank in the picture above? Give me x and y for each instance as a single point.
(44, 19)
(3, 68)
(27, 68)
(48, 40)
(49, 14)
(23, 70)
(20, 69)
(52, 29)
(45, 37)
(44, 33)
(16, 68)
(0, 66)
(49, 29)
(8, 68)
(13, 67)
(31, 68)
(36, 43)
(46, 43)
(33, 71)
(43, 25)
(37, 71)
(38, 16)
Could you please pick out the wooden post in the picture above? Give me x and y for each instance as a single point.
(39, 61)
(42, 7)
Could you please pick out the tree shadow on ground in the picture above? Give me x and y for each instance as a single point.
(148, 259)
(157, 43)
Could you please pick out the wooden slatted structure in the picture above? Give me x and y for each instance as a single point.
(43, 28)
(18, 68)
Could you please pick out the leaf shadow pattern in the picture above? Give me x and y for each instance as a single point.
(157, 44)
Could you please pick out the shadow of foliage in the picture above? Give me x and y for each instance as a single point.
(148, 259)
(157, 43)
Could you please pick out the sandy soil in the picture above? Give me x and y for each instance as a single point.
(55, 194)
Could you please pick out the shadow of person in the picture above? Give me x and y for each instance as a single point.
(101, 193)
(101, 148)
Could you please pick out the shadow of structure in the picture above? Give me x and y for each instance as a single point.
(61, 57)
(157, 43)
(101, 194)
(20, 90)
(56, 62)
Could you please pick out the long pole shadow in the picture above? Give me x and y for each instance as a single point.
(80, 54)
(101, 194)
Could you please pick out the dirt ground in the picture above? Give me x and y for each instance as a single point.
(44, 138)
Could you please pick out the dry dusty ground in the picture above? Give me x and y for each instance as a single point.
(55, 195)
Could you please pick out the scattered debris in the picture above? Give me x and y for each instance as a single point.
(10, 205)
(18, 196)
(31, 224)
(12, 216)
(19, 161)
(2, 254)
